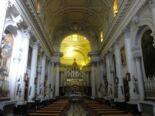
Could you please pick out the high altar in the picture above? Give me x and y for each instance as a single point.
(75, 79)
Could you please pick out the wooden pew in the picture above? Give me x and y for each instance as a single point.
(54, 109)
(104, 110)
(44, 114)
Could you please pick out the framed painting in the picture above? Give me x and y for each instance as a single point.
(123, 56)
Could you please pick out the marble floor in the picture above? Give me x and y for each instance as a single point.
(76, 110)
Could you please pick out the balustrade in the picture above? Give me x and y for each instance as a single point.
(149, 84)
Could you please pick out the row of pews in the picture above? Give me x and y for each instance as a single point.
(100, 109)
(57, 108)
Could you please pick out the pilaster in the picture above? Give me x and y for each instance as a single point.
(42, 79)
(22, 73)
(119, 73)
(56, 60)
(33, 75)
(130, 64)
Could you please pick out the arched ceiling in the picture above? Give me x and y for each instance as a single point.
(77, 47)
(62, 17)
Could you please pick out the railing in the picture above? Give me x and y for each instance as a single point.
(149, 84)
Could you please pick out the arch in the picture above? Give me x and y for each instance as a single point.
(62, 34)
(140, 32)
(143, 25)
(137, 46)
(75, 46)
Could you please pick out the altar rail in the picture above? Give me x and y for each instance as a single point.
(149, 85)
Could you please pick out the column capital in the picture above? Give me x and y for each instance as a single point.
(58, 54)
(11, 2)
(135, 20)
(126, 32)
(26, 33)
(91, 54)
(35, 45)
(19, 20)
(7, 3)
(116, 45)
(151, 4)
(94, 56)
(44, 55)
(56, 57)
(136, 53)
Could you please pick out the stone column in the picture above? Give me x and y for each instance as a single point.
(42, 79)
(23, 52)
(87, 78)
(62, 79)
(34, 59)
(108, 76)
(57, 80)
(94, 75)
(119, 73)
(101, 80)
(98, 80)
(14, 67)
(139, 79)
(130, 64)
(56, 60)
(48, 84)
(39, 66)
(93, 80)
(52, 81)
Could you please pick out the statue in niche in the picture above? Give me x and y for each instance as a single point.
(126, 86)
(116, 81)
(26, 79)
(5, 54)
(106, 87)
(135, 82)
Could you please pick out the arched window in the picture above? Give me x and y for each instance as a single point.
(101, 37)
(37, 5)
(115, 7)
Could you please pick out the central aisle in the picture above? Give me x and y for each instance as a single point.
(76, 110)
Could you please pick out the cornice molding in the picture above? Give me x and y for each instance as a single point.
(30, 20)
(125, 15)
(39, 24)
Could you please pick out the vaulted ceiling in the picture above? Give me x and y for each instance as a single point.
(63, 17)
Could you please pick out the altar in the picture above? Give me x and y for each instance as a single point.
(74, 83)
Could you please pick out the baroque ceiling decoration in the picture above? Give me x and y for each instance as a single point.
(85, 17)
(75, 13)
(70, 28)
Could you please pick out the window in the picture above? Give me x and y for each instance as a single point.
(115, 7)
(101, 37)
(38, 7)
